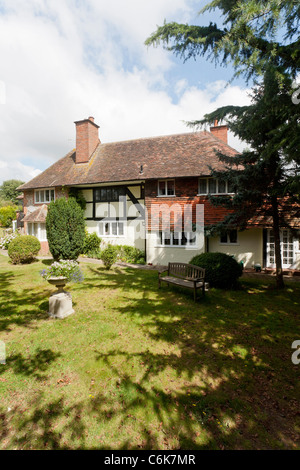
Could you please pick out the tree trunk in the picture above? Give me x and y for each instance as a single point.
(276, 231)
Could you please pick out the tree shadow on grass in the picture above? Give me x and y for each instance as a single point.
(211, 375)
(20, 307)
(36, 429)
(33, 366)
(232, 347)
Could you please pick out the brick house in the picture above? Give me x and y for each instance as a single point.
(151, 193)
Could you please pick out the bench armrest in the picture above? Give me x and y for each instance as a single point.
(162, 270)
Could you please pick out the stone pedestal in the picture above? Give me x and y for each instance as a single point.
(60, 305)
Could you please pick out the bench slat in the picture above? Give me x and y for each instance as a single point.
(185, 275)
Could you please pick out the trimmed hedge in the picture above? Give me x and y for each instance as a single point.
(65, 227)
(23, 249)
(221, 270)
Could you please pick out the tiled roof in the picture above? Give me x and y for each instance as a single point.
(288, 212)
(39, 215)
(180, 155)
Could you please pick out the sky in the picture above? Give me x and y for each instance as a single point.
(66, 60)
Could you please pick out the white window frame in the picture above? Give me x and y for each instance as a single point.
(37, 196)
(110, 234)
(166, 188)
(162, 236)
(228, 239)
(37, 231)
(217, 187)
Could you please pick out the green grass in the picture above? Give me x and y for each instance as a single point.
(140, 368)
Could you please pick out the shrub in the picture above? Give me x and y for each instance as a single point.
(78, 195)
(66, 268)
(65, 227)
(109, 256)
(221, 270)
(91, 243)
(23, 249)
(130, 254)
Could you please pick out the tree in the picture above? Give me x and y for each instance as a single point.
(260, 38)
(261, 176)
(248, 37)
(8, 190)
(255, 36)
(7, 215)
(65, 226)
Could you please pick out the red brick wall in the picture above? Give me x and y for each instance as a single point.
(186, 190)
(87, 140)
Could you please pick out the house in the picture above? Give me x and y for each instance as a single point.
(152, 193)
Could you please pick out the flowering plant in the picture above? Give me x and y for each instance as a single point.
(63, 268)
(5, 241)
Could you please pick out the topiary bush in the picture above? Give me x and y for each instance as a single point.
(109, 256)
(65, 226)
(221, 270)
(23, 249)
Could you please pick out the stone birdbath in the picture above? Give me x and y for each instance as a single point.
(60, 302)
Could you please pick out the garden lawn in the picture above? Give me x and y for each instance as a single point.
(140, 368)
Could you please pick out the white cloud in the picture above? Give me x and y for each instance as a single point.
(69, 59)
(20, 172)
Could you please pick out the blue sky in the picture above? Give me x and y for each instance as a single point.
(65, 60)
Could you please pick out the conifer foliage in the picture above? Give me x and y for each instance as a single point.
(65, 226)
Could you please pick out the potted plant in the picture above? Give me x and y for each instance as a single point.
(61, 272)
(58, 274)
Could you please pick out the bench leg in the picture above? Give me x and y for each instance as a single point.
(195, 294)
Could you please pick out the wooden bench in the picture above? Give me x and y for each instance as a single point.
(184, 275)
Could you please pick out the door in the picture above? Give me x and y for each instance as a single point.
(286, 246)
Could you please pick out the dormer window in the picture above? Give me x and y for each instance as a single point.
(166, 188)
(44, 196)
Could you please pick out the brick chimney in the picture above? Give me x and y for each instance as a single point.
(87, 139)
(221, 132)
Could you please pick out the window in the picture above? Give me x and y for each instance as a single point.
(108, 194)
(166, 188)
(44, 196)
(229, 237)
(214, 186)
(38, 230)
(177, 239)
(111, 229)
